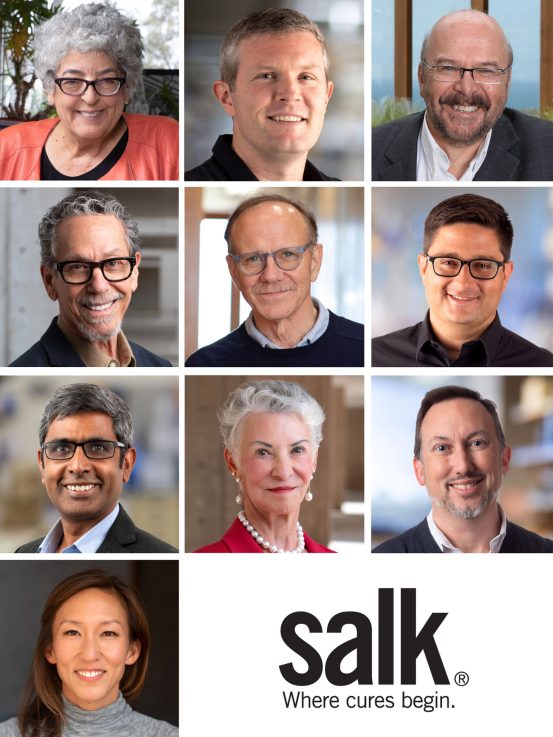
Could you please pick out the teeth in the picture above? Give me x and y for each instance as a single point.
(464, 487)
(90, 673)
(462, 299)
(287, 118)
(89, 114)
(465, 108)
(100, 308)
(79, 487)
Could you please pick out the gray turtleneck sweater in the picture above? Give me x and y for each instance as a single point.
(116, 719)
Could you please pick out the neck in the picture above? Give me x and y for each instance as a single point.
(276, 168)
(279, 530)
(452, 337)
(288, 332)
(459, 154)
(72, 155)
(73, 530)
(469, 535)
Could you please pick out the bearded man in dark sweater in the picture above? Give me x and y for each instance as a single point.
(273, 258)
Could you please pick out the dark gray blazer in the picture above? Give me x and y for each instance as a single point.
(122, 537)
(521, 149)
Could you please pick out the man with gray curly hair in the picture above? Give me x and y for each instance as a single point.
(89, 265)
(85, 457)
(274, 85)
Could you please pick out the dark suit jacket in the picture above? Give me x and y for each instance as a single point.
(419, 540)
(53, 349)
(521, 149)
(122, 537)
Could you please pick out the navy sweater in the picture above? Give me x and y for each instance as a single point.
(342, 344)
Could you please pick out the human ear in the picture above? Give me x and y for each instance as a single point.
(135, 648)
(48, 279)
(223, 93)
(418, 467)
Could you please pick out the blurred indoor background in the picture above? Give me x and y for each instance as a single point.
(334, 517)
(525, 407)
(213, 306)
(339, 151)
(26, 310)
(150, 497)
(398, 217)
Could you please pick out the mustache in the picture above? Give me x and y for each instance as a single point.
(456, 98)
(91, 301)
(469, 476)
(273, 288)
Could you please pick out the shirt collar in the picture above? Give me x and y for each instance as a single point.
(490, 339)
(433, 162)
(448, 547)
(318, 329)
(90, 355)
(87, 543)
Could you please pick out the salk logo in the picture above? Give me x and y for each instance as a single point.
(412, 644)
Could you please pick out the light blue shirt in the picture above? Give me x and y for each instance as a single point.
(88, 543)
(318, 329)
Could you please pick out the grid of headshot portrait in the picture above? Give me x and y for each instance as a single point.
(91, 508)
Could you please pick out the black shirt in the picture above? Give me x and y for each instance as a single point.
(226, 166)
(417, 346)
(48, 171)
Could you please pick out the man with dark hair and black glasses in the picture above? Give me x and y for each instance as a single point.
(85, 457)
(273, 257)
(89, 265)
(466, 132)
(465, 267)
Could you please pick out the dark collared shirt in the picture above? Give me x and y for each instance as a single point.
(417, 346)
(226, 166)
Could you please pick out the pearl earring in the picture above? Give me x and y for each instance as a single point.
(238, 498)
(309, 493)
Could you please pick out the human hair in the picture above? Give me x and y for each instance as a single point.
(42, 710)
(270, 20)
(472, 12)
(84, 202)
(445, 393)
(74, 399)
(89, 27)
(470, 208)
(268, 395)
(260, 199)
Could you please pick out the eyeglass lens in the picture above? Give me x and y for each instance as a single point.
(93, 449)
(286, 259)
(107, 86)
(479, 268)
(79, 272)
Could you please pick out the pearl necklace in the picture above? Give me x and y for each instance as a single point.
(265, 544)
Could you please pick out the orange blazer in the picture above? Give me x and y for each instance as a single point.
(152, 151)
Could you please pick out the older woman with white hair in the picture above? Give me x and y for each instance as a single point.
(90, 61)
(271, 431)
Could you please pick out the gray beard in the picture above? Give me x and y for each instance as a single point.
(97, 336)
(468, 512)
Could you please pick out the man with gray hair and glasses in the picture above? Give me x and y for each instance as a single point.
(466, 133)
(273, 258)
(85, 457)
(89, 265)
(274, 85)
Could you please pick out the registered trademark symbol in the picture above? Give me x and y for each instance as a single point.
(461, 678)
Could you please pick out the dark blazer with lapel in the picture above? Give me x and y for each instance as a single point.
(419, 540)
(53, 349)
(122, 537)
(521, 149)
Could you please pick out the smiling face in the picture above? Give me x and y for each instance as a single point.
(463, 112)
(275, 294)
(91, 647)
(96, 309)
(462, 464)
(84, 491)
(463, 301)
(274, 463)
(279, 98)
(89, 117)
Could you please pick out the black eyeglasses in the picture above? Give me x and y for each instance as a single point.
(76, 87)
(286, 259)
(113, 269)
(96, 450)
(481, 75)
(480, 268)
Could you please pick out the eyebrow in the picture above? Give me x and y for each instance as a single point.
(454, 254)
(107, 255)
(80, 71)
(471, 435)
(268, 445)
(93, 439)
(451, 62)
(102, 624)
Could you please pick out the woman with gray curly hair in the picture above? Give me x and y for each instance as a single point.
(272, 431)
(89, 61)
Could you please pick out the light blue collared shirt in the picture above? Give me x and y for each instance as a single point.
(318, 329)
(88, 543)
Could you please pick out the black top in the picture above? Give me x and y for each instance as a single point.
(419, 540)
(47, 170)
(417, 346)
(226, 166)
(342, 344)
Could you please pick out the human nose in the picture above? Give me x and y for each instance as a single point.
(282, 467)
(467, 84)
(90, 95)
(271, 270)
(79, 463)
(89, 647)
(288, 88)
(461, 460)
(97, 281)
(464, 275)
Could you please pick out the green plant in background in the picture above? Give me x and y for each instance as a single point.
(18, 18)
(391, 108)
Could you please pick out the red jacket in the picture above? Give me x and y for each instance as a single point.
(238, 540)
(152, 151)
